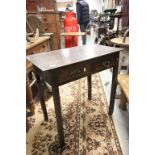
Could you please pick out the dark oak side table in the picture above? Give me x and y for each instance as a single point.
(65, 65)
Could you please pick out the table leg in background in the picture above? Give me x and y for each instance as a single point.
(123, 101)
(29, 98)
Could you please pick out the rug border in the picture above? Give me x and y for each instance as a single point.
(118, 144)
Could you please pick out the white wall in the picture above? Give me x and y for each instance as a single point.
(95, 4)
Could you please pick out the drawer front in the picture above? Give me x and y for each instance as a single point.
(103, 63)
(72, 72)
(48, 18)
(49, 27)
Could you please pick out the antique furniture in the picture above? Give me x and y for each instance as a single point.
(73, 35)
(65, 65)
(107, 27)
(124, 55)
(33, 23)
(120, 41)
(38, 5)
(41, 45)
(123, 81)
(51, 24)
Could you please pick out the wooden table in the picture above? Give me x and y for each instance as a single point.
(73, 35)
(119, 41)
(65, 65)
(122, 42)
(123, 81)
(40, 45)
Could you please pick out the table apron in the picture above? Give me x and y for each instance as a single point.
(79, 70)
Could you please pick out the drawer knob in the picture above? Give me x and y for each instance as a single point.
(84, 69)
(43, 46)
(44, 18)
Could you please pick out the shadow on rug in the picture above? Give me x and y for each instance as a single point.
(87, 127)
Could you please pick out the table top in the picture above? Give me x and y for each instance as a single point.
(119, 41)
(63, 57)
(73, 34)
(29, 45)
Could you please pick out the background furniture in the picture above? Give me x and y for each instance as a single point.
(119, 41)
(123, 81)
(38, 5)
(123, 41)
(73, 35)
(66, 65)
(32, 24)
(105, 26)
(39, 46)
(51, 24)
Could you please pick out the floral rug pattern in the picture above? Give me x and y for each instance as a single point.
(87, 127)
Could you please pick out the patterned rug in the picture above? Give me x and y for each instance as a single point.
(87, 127)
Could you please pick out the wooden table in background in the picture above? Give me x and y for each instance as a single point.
(119, 41)
(65, 65)
(123, 81)
(73, 35)
(39, 46)
(125, 44)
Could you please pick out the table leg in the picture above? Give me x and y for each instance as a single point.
(123, 101)
(58, 113)
(29, 98)
(41, 96)
(89, 86)
(113, 88)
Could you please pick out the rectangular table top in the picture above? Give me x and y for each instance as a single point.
(73, 34)
(63, 57)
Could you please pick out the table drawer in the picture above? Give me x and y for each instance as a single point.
(51, 27)
(49, 18)
(72, 72)
(103, 63)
